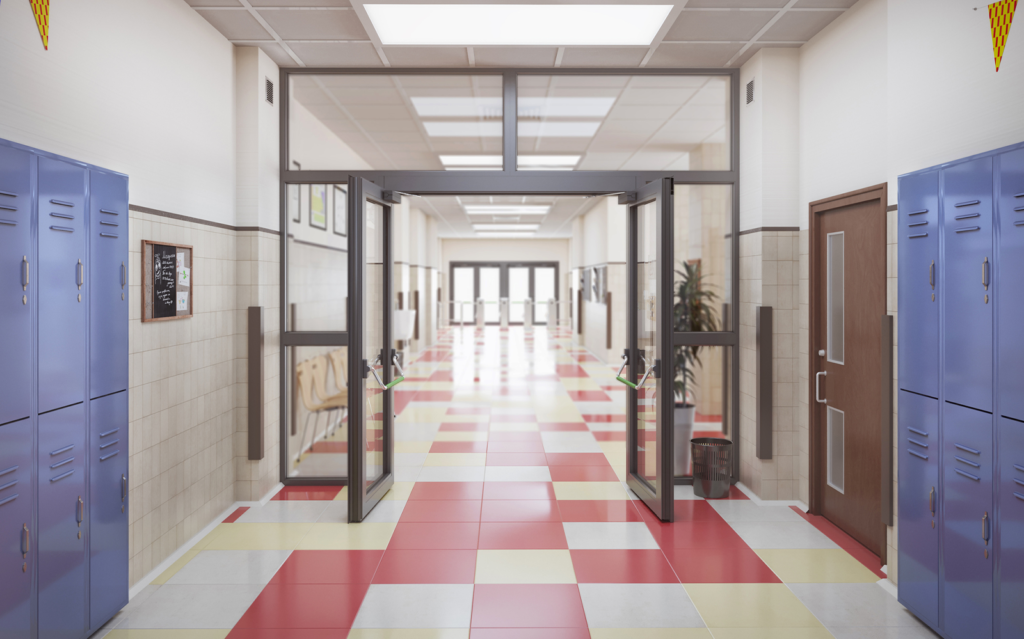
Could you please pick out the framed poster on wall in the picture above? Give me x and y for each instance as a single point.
(166, 281)
(340, 210)
(318, 206)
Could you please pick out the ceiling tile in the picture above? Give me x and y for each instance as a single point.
(736, 4)
(235, 25)
(603, 56)
(693, 55)
(799, 26)
(754, 48)
(278, 54)
(427, 56)
(315, 24)
(515, 56)
(214, 3)
(824, 4)
(718, 25)
(300, 3)
(336, 54)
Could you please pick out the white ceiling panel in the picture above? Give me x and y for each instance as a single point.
(824, 4)
(277, 54)
(235, 25)
(603, 56)
(300, 3)
(214, 3)
(695, 24)
(736, 4)
(515, 56)
(694, 55)
(336, 54)
(315, 24)
(799, 26)
(427, 56)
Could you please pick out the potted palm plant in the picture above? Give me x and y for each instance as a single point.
(694, 311)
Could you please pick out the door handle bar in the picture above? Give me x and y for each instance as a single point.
(647, 372)
(24, 273)
(81, 274)
(817, 388)
(619, 377)
(984, 528)
(26, 540)
(931, 501)
(401, 374)
(80, 511)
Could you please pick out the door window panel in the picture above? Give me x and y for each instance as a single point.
(317, 257)
(373, 340)
(317, 437)
(702, 263)
(835, 302)
(647, 334)
(836, 449)
(462, 283)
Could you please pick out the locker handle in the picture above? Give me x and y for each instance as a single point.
(967, 216)
(967, 475)
(81, 274)
(1017, 466)
(964, 461)
(124, 487)
(967, 449)
(984, 273)
(817, 388)
(24, 273)
(63, 462)
(56, 479)
(8, 500)
(109, 444)
(26, 540)
(917, 454)
(108, 433)
(106, 457)
(931, 275)
(985, 528)
(123, 275)
(968, 228)
(918, 212)
(14, 468)
(9, 484)
(931, 501)
(61, 203)
(62, 450)
(971, 202)
(918, 432)
(917, 443)
(80, 512)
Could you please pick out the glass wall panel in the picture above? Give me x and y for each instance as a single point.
(395, 122)
(374, 348)
(490, 293)
(317, 435)
(317, 257)
(703, 257)
(703, 374)
(543, 290)
(623, 123)
(647, 335)
(518, 292)
(462, 306)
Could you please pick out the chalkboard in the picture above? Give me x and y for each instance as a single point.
(164, 280)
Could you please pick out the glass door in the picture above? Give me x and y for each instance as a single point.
(650, 401)
(373, 360)
(490, 293)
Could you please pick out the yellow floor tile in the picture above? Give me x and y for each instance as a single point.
(580, 383)
(614, 451)
(422, 414)
(561, 414)
(168, 634)
(400, 491)
(750, 606)
(455, 459)
(524, 567)
(412, 447)
(466, 419)
(257, 536)
(435, 633)
(650, 633)
(460, 436)
(771, 633)
(471, 397)
(570, 490)
(436, 386)
(364, 536)
(175, 567)
(620, 472)
(515, 427)
(342, 494)
(816, 566)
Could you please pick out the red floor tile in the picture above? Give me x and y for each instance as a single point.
(330, 447)
(402, 399)
(426, 567)
(436, 490)
(458, 447)
(696, 534)
(528, 606)
(305, 606)
(598, 510)
(434, 396)
(502, 510)
(622, 567)
(328, 567)
(532, 633)
(442, 376)
(610, 436)
(561, 426)
(695, 510)
(577, 459)
(604, 418)
(514, 436)
(460, 427)
(233, 517)
(519, 490)
(513, 418)
(283, 633)
(535, 446)
(570, 370)
(517, 459)
(589, 396)
(735, 564)
(522, 536)
(435, 356)
(445, 511)
(583, 473)
(844, 541)
(304, 493)
(435, 536)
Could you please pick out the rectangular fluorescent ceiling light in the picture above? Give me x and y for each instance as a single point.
(547, 160)
(506, 227)
(457, 107)
(529, 106)
(517, 24)
(471, 160)
(527, 129)
(508, 209)
(504, 236)
(564, 107)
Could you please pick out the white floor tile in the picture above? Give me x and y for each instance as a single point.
(284, 511)
(410, 459)
(781, 534)
(212, 567)
(569, 442)
(416, 606)
(639, 606)
(192, 606)
(741, 510)
(608, 536)
(451, 473)
(854, 605)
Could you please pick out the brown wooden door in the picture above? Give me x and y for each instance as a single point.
(848, 301)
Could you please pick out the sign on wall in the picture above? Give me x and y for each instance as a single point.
(41, 10)
(166, 281)
(1000, 17)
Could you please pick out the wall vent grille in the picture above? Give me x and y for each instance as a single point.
(750, 92)
(270, 91)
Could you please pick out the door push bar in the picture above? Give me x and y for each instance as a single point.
(396, 382)
(652, 368)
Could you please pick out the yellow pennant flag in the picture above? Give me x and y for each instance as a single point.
(1000, 17)
(41, 9)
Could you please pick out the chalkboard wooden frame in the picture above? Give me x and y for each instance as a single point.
(147, 281)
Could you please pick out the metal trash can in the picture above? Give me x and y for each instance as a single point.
(712, 465)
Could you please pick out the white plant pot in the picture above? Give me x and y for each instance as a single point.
(683, 424)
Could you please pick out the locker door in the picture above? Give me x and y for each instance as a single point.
(15, 277)
(1011, 288)
(108, 278)
(967, 277)
(108, 507)
(62, 284)
(918, 290)
(17, 533)
(62, 508)
(1010, 533)
(967, 522)
(919, 504)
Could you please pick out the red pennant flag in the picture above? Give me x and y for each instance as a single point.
(41, 9)
(1000, 17)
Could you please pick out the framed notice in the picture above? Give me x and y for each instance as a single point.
(318, 206)
(340, 210)
(166, 281)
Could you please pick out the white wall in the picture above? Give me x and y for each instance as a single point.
(145, 88)
(315, 147)
(257, 131)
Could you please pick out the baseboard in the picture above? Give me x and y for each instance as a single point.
(184, 548)
(889, 587)
(770, 502)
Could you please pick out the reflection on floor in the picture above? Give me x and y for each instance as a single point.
(509, 519)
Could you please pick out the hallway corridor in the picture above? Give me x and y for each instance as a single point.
(509, 518)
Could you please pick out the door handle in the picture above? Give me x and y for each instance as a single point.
(985, 528)
(931, 501)
(24, 273)
(647, 373)
(80, 511)
(619, 377)
(124, 487)
(124, 275)
(817, 388)
(26, 541)
(401, 374)
(931, 275)
(81, 274)
(984, 273)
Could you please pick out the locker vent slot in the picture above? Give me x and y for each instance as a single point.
(8, 223)
(13, 195)
(270, 91)
(106, 223)
(967, 449)
(968, 229)
(62, 450)
(971, 203)
(925, 223)
(967, 216)
(4, 207)
(62, 463)
(108, 235)
(1017, 466)
(65, 229)
(965, 461)
(9, 484)
(917, 443)
(1020, 223)
(60, 477)
(750, 92)
(1017, 195)
(967, 475)
(1018, 209)
(917, 236)
(1017, 495)
(63, 216)
(13, 497)
(1018, 482)
(14, 468)
(917, 454)
(919, 432)
(921, 212)
(108, 433)
(109, 444)
(108, 212)
(61, 203)
(106, 457)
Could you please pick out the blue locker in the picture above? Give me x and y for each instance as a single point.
(16, 257)
(968, 273)
(967, 547)
(919, 505)
(62, 525)
(1011, 288)
(108, 507)
(17, 533)
(918, 275)
(108, 293)
(62, 284)
(1011, 528)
